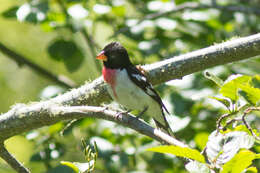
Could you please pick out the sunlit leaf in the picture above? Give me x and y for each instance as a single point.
(56, 17)
(257, 156)
(251, 95)
(201, 139)
(119, 10)
(239, 163)
(231, 86)
(251, 170)
(53, 21)
(179, 151)
(165, 0)
(56, 128)
(242, 128)
(224, 101)
(71, 165)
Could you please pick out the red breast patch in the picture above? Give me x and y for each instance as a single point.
(109, 76)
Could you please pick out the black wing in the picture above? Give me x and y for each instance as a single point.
(140, 80)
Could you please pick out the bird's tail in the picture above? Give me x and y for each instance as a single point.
(165, 128)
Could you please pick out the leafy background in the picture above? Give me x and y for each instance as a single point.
(63, 36)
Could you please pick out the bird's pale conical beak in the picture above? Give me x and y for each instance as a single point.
(102, 56)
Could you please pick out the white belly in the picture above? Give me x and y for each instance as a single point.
(133, 97)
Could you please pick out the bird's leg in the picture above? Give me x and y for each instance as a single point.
(141, 113)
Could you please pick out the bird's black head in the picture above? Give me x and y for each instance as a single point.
(114, 55)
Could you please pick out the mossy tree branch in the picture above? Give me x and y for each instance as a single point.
(95, 93)
(22, 118)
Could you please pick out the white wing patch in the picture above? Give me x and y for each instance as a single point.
(139, 77)
(147, 89)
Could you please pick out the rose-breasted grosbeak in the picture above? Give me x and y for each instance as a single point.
(130, 87)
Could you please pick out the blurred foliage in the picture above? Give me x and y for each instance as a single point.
(63, 36)
(225, 148)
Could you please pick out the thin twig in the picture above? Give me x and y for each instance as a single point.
(222, 117)
(11, 160)
(195, 6)
(247, 111)
(21, 60)
(231, 121)
(90, 43)
(243, 119)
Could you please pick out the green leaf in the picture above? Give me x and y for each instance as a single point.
(251, 170)
(201, 139)
(75, 61)
(224, 101)
(68, 52)
(119, 10)
(56, 128)
(177, 2)
(256, 81)
(31, 17)
(257, 156)
(11, 12)
(61, 49)
(214, 78)
(71, 165)
(197, 167)
(79, 167)
(239, 163)
(251, 95)
(180, 151)
(231, 86)
(53, 21)
(241, 128)
(57, 18)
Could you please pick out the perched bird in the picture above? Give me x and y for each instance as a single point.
(130, 87)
